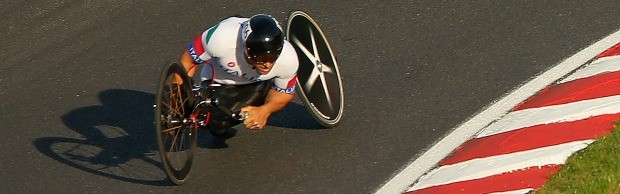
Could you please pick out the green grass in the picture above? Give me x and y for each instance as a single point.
(595, 169)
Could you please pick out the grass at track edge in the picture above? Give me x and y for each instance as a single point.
(595, 169)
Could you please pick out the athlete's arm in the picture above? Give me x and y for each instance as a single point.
(274, 102)
(188, 63)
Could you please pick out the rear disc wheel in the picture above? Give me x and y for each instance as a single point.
(319, 83)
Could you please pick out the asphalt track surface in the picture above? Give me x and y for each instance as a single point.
(78, 81)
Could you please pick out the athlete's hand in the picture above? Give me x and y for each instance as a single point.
(256, 117)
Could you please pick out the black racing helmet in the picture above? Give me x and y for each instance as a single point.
(264, 39)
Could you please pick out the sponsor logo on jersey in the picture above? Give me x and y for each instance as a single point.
(282, 90)
(231, 71)
(192, 53)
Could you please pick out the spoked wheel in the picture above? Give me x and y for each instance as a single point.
(176, 137)
(319, 83)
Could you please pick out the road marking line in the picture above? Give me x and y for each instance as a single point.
(422, 164)
(529, 178)
(470, 170)
(533, 137)
(597, 86)
(602, 65)
(553, 114)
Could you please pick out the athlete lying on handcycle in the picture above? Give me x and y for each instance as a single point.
(256, 67)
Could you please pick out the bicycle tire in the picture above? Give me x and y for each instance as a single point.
(319, 83)
(176, 138)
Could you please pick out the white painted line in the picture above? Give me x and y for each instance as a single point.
(494, 165)
(553, 114)
(424, 163)
(602, 65)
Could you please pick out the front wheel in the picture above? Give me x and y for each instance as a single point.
(176, 136)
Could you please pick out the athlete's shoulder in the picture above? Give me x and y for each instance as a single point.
(289, 56)
(230, 26)
(225, 34)
(287, 65)
(233, 21)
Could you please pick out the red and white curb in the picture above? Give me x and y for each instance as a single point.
(521, 150)
(522, 139)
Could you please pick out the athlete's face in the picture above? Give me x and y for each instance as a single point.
(263, 68)
(262, 64)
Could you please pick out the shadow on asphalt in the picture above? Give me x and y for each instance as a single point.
(294, 116)
(118, 140)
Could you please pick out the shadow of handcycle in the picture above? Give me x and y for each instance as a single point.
(118, 137)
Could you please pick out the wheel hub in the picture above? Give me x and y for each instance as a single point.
(319, 66)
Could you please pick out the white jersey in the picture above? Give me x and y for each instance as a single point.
(221, 48)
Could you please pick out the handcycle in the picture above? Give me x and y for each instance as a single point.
(182, 108)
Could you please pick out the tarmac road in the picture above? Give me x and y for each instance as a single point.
(78, 81)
